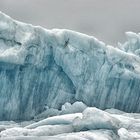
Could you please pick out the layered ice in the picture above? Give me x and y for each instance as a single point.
(42, 68)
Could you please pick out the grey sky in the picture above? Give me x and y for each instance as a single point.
(107, 20)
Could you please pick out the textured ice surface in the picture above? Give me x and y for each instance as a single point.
(91, 124)
(40, 68)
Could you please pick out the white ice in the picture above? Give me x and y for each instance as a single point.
(43, 73)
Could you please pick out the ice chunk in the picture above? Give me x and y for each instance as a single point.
(126, 135)
(48, 130)
(94, 118)
(93, 123)
(76, 107)
(49, 112)
(67, 108)
(62, 119)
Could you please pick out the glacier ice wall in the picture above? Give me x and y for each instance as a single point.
(40, 67)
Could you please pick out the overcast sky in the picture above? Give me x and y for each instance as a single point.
(107, 20)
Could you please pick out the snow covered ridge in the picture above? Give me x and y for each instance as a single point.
(40, 68)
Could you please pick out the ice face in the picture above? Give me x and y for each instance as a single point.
(40, 67)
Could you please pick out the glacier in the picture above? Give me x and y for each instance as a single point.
(40, 67)
(61, 84)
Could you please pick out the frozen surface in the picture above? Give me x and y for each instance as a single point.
(59, 78)
(42, 68)
(92, 123)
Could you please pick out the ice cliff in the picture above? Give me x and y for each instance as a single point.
(40, 68)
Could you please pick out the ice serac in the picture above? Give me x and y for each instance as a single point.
(40, 67)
